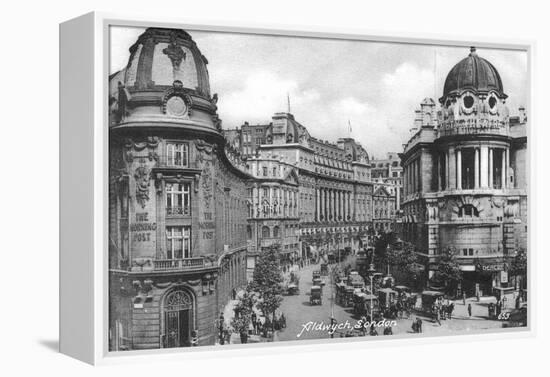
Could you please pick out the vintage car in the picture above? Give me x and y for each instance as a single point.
(355, 280)
(324, 269)
(292, 289)
(387, 296)
(429, 298)
(315, 297)
(316, 274)
(362, 304)
(340, 292)
(318, 281)
(348, 296)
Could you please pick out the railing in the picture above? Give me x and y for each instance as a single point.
(178, 211)
(180, 264)
(474, 126)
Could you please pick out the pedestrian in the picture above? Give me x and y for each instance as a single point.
(373, 331)
(419, 325)
(388, 330)
(469, 310)
(437, 317)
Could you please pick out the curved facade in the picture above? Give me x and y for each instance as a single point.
(465, 187)
(178, 217)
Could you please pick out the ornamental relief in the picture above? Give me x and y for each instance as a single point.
(206, 184)
(143, 181)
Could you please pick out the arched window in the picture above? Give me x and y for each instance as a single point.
(265, 232)
(468, 210)
(275, 231)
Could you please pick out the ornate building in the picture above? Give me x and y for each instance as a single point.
(390, 171)
(177, 201)
(329, 184)
(465, 186)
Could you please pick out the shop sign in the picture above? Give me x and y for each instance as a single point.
(491, 267)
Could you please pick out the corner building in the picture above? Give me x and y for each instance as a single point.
(177, 202)
(465, 182)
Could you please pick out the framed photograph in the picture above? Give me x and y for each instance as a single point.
(242, 188)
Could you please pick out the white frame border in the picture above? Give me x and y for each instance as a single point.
(103, 21)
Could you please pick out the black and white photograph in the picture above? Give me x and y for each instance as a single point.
(276, 188)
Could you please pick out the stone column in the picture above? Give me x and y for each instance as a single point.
(334, 209)
(491, 167)
(459, 169)
(447, 170)
(439, 171)
(503, 169)
(484, 167)
(452, 168)
(507, 164)
(330, 206)
(476, 168)
(317, 204)
(340, 209)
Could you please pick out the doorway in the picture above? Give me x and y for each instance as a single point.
(178, 319)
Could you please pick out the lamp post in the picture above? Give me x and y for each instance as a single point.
(371, 272)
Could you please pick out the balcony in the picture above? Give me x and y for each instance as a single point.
(181, 264)
(176, 211)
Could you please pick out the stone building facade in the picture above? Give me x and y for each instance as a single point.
(389, 170)
(465, 182)
(273, 213)
(177, 200)
(332, 181)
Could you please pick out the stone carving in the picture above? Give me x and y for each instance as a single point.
(175, 53)
(142, 177)
(207, 184)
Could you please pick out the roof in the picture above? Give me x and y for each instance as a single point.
(472, 73)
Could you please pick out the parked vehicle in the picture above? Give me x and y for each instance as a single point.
(429, 298)
(362, 304)
(315, 297)
(387, 297)
(292, 289)
(355, 280)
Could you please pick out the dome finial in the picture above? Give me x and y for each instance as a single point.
(473, 50)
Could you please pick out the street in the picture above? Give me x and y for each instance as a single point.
(299, 313)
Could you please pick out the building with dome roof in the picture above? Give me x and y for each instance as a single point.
(465, 180)
(177, 199)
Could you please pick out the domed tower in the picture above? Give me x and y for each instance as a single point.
(464, 185)
(473, 132)
(165, 82)
(177, 205)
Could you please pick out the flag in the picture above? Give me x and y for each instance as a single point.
(349, 127)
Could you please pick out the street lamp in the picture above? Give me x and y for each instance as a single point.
(371, 272)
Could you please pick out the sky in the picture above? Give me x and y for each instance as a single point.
(374, 86)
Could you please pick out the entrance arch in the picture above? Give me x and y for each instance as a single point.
(178, 317)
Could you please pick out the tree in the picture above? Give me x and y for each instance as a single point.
(267, 279)
(243, 314)
(403, 260)
(518, 267)
(448, 272)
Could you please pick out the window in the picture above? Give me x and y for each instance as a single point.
(265, 232)
(468, 168)
(177, 154)
(468, 210)
(264, 171)
(178, 242)
(274, 171)
(468, 101)
(178, 198)
(275, 231)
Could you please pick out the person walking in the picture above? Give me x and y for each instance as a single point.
(469, 310)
